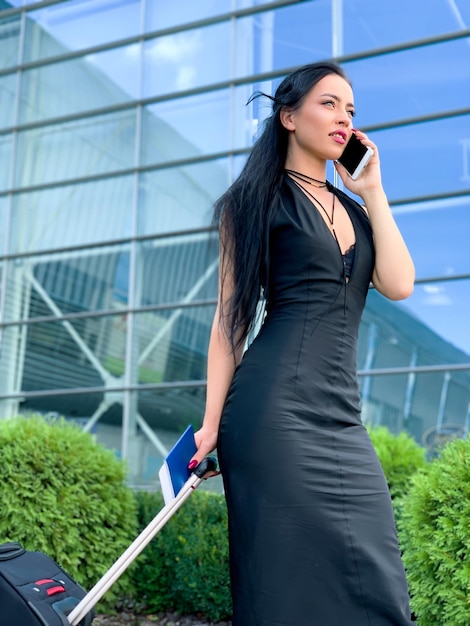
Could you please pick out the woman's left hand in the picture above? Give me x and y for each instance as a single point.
(370, 178)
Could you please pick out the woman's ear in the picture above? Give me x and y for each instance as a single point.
(286, 116)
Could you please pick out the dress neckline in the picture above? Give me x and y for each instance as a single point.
(333, 190)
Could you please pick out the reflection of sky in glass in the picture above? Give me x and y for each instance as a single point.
(7, 100)
(121, 66)
(444, 306)
(425, 158)
(411, 83)
(208, 132)
(289, 36)
(187, 59)
(437, 225)
(165, 14)
(5, 159)
(87, 23)
(371, 24)
(437, 236)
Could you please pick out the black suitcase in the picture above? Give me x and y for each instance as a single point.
(35, 591)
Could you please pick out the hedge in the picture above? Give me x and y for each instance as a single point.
(63, 494)
(435, 537)
(401, 457)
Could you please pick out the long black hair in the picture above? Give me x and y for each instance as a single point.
(243, 212)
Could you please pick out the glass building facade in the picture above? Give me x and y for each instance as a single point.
(121, 121)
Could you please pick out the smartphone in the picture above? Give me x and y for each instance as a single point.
(355, 157)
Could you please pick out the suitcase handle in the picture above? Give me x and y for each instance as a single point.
(209, 464)
(11, 550)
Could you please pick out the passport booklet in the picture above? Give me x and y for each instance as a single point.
(174, 471)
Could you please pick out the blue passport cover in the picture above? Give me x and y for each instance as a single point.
(174, 471)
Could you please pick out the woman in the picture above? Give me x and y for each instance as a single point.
(311, 529)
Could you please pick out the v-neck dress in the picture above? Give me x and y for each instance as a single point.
(311, 529)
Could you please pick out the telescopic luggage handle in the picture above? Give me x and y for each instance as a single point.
(209, 464)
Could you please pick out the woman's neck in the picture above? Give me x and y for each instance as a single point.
(313, 168)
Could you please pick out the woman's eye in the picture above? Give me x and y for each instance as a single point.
(329, 102)
(352, 113)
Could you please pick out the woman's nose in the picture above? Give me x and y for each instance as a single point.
(345, 119)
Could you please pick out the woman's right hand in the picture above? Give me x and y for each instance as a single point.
(206, 442)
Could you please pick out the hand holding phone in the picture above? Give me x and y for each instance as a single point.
(355, 157)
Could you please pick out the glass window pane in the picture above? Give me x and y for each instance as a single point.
(77, 406)
(412, 83)
(4, 201)
(85, 147)
(429, 328)
(248, 118)
(437, 235)
(442, 308)
(376, 24)
(9, 40)
(238, 165)
(431, 406)
(90, 82)
(163, 14)
(5, 159)
(289, 36)
(8, 84)
(187, 268)
(67, 283)
(172, 344)
(425, 159)
(72, 215)
(57, 355)
(180, 198)
(187, 127)
(187, 59)
(69, 26)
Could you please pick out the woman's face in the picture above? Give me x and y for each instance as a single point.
(322, 125)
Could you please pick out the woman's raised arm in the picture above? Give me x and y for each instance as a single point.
(394, 271)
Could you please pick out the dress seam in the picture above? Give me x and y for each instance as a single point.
(302, 341)
(341, 474)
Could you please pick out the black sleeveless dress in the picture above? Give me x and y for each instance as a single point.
(311, 530)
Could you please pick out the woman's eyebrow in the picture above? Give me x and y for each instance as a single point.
(335, 97)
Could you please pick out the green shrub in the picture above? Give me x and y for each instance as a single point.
(185, 568)
(435, 537)
(400, 457)
(65, 495)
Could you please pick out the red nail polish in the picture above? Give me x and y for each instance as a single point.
(192, 465)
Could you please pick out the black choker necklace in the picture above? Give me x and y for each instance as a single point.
(307, 179)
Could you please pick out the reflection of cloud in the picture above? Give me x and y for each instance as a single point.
(436, 296)
(176, 48)
(186, 75)
(132, 51)
(180, 50)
